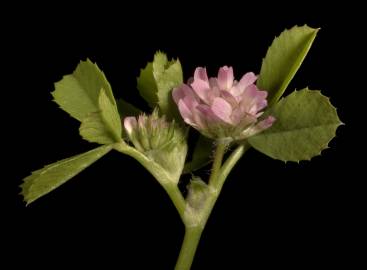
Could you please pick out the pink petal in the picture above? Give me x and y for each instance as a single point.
(235, 91)
(253, 100)
(201, 83)
(247, 119)
(237, 116)
(212, 94)
(185, 112)
(261, 104)
(191, 114)
(259, 101)
(207, 113)
(246, 80)
(201, 90)
(201, 116)
(200, 74)
(190, 102)
(250, 92)
(183, 91)
(178, 93)
(259, 127)
(222, 109)
(225, 78)
(208, 117)
(266, 123)
(227, 96)
(130, 124)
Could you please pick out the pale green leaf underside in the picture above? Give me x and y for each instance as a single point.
(283, 59)
(305, 123)
(156, 82)
(78, 92)
(43, 181)
(103, 126)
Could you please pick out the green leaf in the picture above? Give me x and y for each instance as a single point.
(78, 93)
(167, 80)
(156, 82)
(283, 59)
(43, 181)
(201, 155)
(147, 86)
(110, 115)
(305, 123)
(103, 126)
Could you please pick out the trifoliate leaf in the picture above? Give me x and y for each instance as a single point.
(283, 59)
(78, 93)
(305, 123)
(103, 126)
(156, 82)
(43, 181)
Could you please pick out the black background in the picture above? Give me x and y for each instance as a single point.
(114, 214)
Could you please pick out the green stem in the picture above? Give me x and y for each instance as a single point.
(195, 224)
(158, 172)
(217, 163)
(189, 246)
(217, 178)
(217, 182)
(176, 196)
(231, 162)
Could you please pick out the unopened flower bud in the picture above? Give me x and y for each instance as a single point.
(149, 132)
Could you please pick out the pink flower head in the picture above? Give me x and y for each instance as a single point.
(223, 108)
